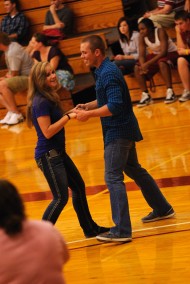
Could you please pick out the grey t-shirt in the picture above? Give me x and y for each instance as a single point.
(17, 59)
(66, 16)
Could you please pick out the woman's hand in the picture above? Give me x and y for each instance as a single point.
(72, 115)
(119, 57)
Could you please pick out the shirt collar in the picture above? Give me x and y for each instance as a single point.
(102, 65)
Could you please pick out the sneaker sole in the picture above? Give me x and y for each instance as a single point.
(20, 120)
(159, 218)
(143, 105)
(122, 240)
(170, 102)
(183, 100)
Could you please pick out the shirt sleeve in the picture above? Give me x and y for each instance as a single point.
(22, 27)
(136, 43)
(41, 108)
(113, 93)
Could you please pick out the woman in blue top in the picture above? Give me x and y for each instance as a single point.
(45, 113)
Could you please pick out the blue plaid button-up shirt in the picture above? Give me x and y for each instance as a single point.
(111, 90)
(16, 25)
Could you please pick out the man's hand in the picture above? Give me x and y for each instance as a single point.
(82, 115)
(81, 106)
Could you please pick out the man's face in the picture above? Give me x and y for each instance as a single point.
(88, 56)
(9, 7)
(183, 25)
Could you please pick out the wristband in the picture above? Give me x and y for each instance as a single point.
(68, 116)
(187, 52)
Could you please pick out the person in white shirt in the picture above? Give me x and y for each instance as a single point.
(129, 42)
(163, 54)
(19, 63)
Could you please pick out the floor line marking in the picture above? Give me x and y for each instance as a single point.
(134, 231)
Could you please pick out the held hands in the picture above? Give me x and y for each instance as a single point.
(81, 112)
(143, 69)
(72, 115)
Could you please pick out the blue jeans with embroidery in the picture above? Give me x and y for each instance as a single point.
(61, 173)
(121, 157)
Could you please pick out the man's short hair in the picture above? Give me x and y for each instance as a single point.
(4, 39)
(182, 15)
(14, 2)
(96, 42)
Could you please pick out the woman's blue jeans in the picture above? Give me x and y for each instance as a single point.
(121, 157)
(61, 173)
(126, 65)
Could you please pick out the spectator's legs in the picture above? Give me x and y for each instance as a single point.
(167, 77)
(145, 97)
(7, 97)
(184, 72)
(166, 73)
(140, 78)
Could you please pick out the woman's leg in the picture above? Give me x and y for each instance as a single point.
(76, 184)
(126, 66)
(166, 73)
(145, 96)
(54, 171)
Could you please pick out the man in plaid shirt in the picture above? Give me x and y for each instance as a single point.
(14, 23)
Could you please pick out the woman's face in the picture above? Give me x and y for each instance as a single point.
(124, 28)
(51, 78)
(35, 44)
(143, 29)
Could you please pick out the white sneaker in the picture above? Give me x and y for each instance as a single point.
(145, 100)
(15, 118)
(185, 96)
(6, 118)
(170, 96)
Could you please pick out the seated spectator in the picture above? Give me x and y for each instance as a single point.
(182, 20)
(31, 251)
(19, 64)
(15, 23)
(42, 51)
(59, 17)
(163, 55)
(129, 41)
(164, 14)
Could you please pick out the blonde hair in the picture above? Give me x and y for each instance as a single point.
(37, 84)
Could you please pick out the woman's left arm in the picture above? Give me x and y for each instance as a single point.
(48, 129)
(54, 62)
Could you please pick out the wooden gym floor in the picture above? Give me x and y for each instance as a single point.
(160, 251)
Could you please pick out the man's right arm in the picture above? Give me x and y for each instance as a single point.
(58, 24)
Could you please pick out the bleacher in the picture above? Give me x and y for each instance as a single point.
(99, 17)
(90, 17)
